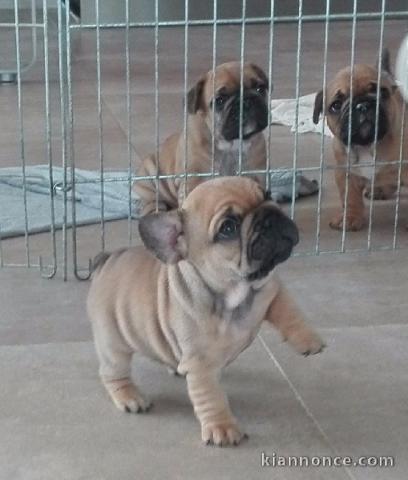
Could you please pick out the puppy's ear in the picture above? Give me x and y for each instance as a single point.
(195, 97)
(386, 67)
(261, 74)
(162, 234)
(385, 61)
(318, 107)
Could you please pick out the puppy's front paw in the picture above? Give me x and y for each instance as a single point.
(306, 341)
(222, 434)
(353, 222)
(128, 399)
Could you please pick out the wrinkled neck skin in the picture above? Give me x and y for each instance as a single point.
(226, 154)
(226, 283)
(221, 280)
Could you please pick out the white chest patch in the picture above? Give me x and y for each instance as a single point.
(233, 146)
(360, 156)
(236, 295)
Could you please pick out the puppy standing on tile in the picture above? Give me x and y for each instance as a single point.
(202, 99)
(390, 133)
(196, 295)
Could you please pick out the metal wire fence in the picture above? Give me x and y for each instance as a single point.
(58, 77)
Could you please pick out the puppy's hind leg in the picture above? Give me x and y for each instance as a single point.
(115, 369)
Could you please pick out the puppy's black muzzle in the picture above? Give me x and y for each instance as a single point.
(254, 116)
(363, 114)
(271, 242)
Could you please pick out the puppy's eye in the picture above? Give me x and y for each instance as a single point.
(229, 229)
(220, 100)
(261, 89)
(335, 107)
(384, 92)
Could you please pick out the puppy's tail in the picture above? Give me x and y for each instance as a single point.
(99, 261)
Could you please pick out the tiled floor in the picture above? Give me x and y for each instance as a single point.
(55, 419)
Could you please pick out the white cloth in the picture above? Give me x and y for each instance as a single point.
(283, 112)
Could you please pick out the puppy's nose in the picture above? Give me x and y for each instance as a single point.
(270, 223)
(362, 107)
(275, 232)
(274, 236)
(275, 222)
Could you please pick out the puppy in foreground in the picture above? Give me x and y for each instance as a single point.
(390, 132)
(202, 100)
(195, 296)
